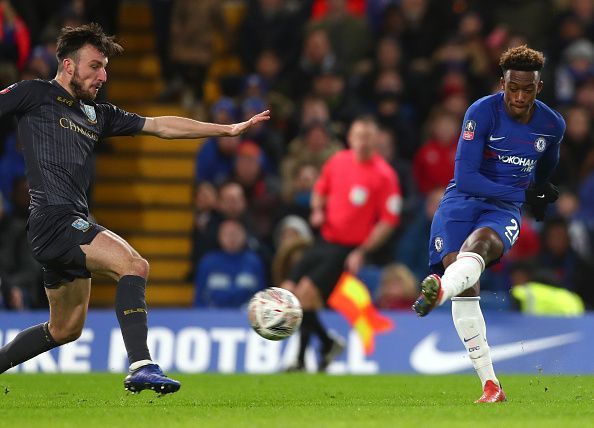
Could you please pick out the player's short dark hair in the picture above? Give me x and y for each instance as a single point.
(522, 58)
(71, 39)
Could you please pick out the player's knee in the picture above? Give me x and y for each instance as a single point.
(139, 267)
(66, 334)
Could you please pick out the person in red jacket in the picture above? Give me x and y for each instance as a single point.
(15, 42)
(433, 164)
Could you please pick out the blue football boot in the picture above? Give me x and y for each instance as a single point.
(150, 377)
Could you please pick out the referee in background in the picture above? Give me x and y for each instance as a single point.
(356, 204)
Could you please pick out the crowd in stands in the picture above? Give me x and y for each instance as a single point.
(415, 65)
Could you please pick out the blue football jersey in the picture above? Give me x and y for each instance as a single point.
(498, 157)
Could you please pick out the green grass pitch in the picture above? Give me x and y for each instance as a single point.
(295, 400)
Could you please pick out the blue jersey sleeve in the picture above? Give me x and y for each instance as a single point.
(547, 163)
(477, 124)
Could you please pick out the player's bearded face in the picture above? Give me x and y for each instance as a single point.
(84, 89)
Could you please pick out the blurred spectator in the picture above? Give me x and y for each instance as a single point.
(229, 277)
(583, 10)
(21, 282)
(398, 288)
(270, 140)
(388, 109)
(272, 74)
(586, 197)
(331, 85)
(231, 204)
(578, 145)
(311, 109)
(314, 146)
(19, 198)
(161, 11)
(36, 15)
(568, 207)
(532, 18)
(12, 166)
(585, 96)
(388, 56)
(297, 189)
(205, 202)
(15, 41)
(433, 164)
(290, 229)
(42, 61)
(571, 24)
(286, 258)
(316, 57)
(567, 268)
(292, 237)
(471, 33)
(576, 68)
(349, 34)
(412, 245)
(214, 161)
(388, 148)
(271, 24)
(262, 190)
(194, 27)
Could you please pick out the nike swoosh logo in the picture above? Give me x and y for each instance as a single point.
(540, 196)
(491, 138)
(428, 359)
(466, 340)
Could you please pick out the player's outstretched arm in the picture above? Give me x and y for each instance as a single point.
(180, 127)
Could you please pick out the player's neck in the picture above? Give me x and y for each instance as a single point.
(64, 84)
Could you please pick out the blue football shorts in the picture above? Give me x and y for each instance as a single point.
(459, 215)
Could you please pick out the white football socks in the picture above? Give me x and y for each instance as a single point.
(138, 364)
(470, 325)
(461, 275)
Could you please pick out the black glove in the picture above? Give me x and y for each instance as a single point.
(539, 197)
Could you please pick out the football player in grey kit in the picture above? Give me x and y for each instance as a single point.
(58, 125)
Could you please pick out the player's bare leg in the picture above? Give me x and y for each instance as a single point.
(111, 255)
(68, 306)
(68, 310)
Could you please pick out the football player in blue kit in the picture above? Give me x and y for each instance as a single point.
(507, 150)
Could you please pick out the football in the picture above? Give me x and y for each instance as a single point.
(274, 313)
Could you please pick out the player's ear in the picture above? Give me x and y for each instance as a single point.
(502, 83)
(68, 66)
(539, 87)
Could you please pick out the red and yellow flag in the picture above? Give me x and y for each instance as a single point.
(351, 298)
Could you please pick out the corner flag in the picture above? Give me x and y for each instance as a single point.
(351, 298)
